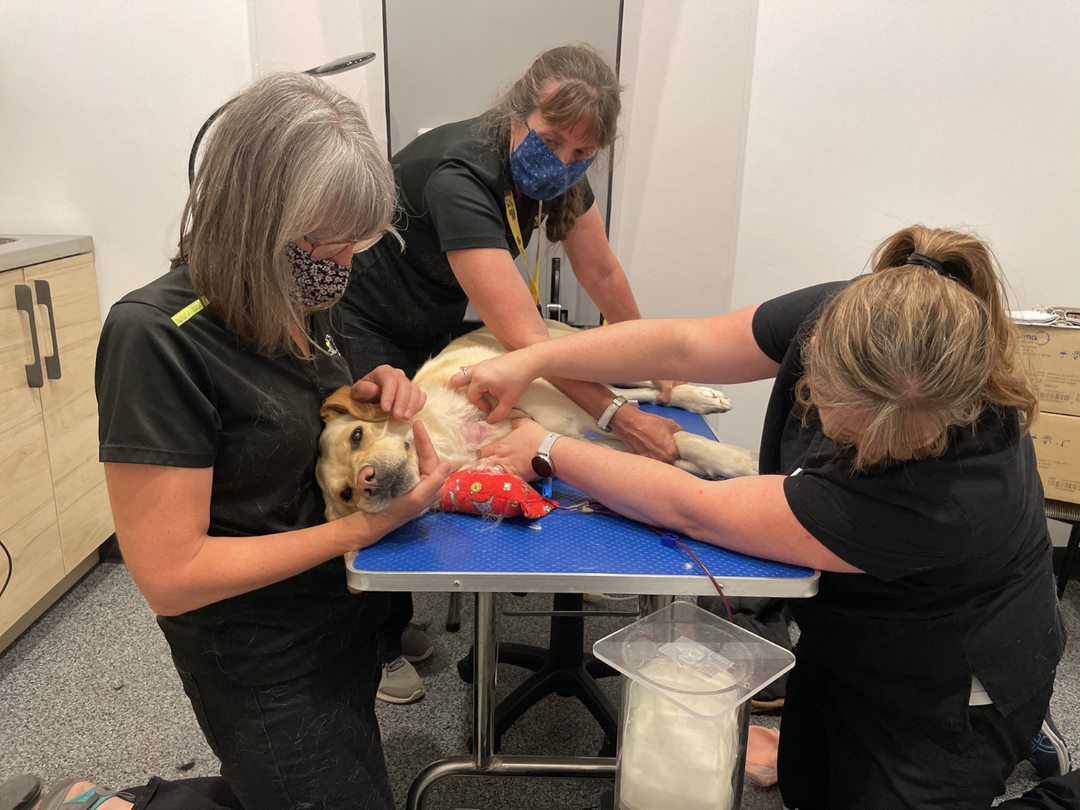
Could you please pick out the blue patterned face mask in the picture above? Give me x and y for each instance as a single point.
(540, 173)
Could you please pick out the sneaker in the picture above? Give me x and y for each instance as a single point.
(400, 683)
(415, 644)
(766, 706)
(1049, 753)
(20, 792)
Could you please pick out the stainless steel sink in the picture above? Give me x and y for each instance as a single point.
(4, 241)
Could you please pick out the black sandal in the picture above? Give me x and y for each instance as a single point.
(88, 800)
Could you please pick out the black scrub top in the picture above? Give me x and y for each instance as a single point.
(176, 388)
(958, 578)
(450, 187)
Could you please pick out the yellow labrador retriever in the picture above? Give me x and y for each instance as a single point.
(367, 458)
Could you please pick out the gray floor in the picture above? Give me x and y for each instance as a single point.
(89, 690)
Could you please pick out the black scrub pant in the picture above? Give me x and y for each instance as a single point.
(309, 742)
(1055, 793)
(838, 753)
(365, 350)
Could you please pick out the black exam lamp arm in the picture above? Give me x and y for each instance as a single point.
(339, 65)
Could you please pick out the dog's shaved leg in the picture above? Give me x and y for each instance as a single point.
(688, 397)
(690, 467)
(714, 459)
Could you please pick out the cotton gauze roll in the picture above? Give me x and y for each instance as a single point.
(668, 758)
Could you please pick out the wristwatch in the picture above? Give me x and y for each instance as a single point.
(541, 463)
(609, 412)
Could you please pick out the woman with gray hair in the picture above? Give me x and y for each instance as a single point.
(209, 384)
(896, 459)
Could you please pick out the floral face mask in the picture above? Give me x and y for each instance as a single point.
(317, 283)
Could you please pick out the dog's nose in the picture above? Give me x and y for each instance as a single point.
(368, 481)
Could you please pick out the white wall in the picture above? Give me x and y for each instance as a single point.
(868, 116)
(99, 102)
(686, 66)
(767, 144)
(301, 34)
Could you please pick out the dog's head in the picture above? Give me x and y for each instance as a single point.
(365, 457)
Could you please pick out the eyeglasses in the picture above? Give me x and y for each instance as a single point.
(328, 250)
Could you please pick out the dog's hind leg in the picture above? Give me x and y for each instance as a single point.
(688, 397)
(709, 459)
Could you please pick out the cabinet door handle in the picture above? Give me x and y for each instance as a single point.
(44, 297)
(25, 302)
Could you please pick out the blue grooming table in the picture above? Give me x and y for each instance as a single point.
(562, 553)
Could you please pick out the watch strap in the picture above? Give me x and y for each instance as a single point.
(545, 446)
(609, 413)
(546, 464)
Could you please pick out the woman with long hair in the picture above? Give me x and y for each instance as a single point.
(472, 194)
(895, 459)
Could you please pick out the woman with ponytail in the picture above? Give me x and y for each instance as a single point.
(895, 459)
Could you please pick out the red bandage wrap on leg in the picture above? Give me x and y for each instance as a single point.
(492, 494)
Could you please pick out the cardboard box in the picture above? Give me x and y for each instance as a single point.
(1051, 355)
(1057, 450)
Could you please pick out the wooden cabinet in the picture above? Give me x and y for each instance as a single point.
(54, 508)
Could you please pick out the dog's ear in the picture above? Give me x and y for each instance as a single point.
(341, 403)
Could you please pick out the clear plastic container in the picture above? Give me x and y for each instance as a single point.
(687, 672)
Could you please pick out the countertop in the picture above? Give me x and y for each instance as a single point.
(27, 249)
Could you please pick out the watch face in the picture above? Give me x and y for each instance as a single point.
(542, 466)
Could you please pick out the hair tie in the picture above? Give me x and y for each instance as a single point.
(939, 267)
(926, 261)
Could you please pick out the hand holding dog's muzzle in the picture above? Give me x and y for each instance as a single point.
(420, 498)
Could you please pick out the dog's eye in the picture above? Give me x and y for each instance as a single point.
(407, 445)
(346, 494)
(355, 437)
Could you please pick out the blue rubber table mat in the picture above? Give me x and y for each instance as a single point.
(566, 551)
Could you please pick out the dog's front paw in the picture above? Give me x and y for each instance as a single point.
(710, 459)
(699, 399)
(738, 462)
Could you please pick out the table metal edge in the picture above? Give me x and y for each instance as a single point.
(527, 582)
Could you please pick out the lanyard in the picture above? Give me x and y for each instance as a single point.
(515, 228)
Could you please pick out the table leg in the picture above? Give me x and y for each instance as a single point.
(650, 603)
(740, 761)
(484, 762)
(484, 661)
(453, 612)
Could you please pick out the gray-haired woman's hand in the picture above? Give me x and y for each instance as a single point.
(420, 498)
(395, 393)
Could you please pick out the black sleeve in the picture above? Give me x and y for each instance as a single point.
(889, 526)
(155, 396)
(462, 210)
(776, 322)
